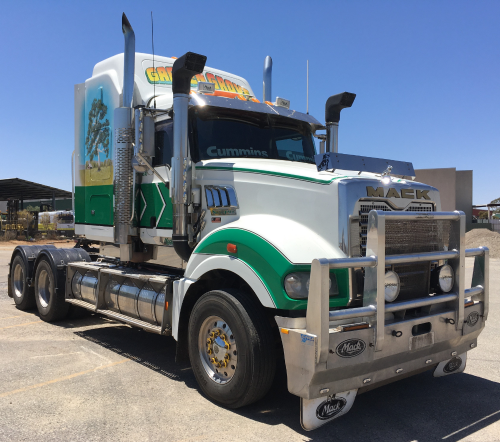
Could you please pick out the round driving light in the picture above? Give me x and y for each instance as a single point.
(446, 278)
(391, 282)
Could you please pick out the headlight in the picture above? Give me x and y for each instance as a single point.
(446, 278)
(391, 282)
(297, 285)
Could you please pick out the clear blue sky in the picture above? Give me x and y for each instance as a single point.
(426, 73)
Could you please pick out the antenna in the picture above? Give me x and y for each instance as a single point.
(307, 81)
(154, 70)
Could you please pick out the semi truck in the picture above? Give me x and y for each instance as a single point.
(209, 216)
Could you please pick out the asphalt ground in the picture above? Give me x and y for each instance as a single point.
(94, 379)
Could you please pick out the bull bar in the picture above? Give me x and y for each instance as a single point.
(313, 369)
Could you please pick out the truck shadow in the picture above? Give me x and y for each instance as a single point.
(149, 350)
(420, 408)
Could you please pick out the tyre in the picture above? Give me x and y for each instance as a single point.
(24, 296)
(51, 304)
(231, 348)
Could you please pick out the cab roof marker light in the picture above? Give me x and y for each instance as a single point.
(206, 87)
(282, 102)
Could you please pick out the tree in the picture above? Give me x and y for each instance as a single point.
(495, 209)
(97, 140)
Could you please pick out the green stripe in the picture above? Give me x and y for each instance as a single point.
(154, 206)
(270, 172)
(269, 264)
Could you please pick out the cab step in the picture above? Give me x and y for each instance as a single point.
(117, 316)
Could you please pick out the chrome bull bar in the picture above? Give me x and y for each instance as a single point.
(318, 315)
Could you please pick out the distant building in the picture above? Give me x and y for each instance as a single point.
(33, 194)
(455, 188)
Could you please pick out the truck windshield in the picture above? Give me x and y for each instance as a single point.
(229, 133)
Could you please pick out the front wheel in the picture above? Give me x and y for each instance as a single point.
(231, 348)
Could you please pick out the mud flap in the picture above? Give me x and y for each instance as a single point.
(451, 366)
(317, 412)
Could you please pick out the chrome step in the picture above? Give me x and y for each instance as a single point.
(118, 316)
(80, 303)
(131, 321)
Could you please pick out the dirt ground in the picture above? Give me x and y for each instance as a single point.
(486, 238)
(41, 242)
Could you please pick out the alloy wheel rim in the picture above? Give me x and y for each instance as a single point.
(218, 350)
(18, 280)
(44, 288)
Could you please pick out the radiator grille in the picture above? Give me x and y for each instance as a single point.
(406, 237)
(414, 279)
(401, 237)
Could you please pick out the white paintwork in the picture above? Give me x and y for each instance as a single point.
(144, 91)
(179, 291)
(299, 217)
(97, 233)
(200, 264)
(155, 236)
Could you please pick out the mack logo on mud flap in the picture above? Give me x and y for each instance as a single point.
(472, 319)
(350, 348)
(453, 365)
(330, 408)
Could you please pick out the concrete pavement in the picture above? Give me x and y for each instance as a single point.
(94, 379)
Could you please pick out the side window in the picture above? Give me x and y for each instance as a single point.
(293, 146)
(164, 143)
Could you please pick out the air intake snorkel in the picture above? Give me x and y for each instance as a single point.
(184, 69)
(333, 107)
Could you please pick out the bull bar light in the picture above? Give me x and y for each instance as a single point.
(392, 286)
(443, 279)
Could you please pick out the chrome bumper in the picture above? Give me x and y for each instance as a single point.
(323, 359)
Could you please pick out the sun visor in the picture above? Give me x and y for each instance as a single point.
(332, 161)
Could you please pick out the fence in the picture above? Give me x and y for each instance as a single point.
(495, 223)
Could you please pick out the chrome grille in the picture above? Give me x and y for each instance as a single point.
(406, 237)
(398, 238)
(414, 279)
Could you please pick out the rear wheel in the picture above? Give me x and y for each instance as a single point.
(24, 296)
(51, 304)
(231, 348)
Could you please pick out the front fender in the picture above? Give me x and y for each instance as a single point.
(256, 255)
(201, 264)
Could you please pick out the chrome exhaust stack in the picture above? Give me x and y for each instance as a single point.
(333, 107)
(266, 84)
(124, 139)
(184, 69)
